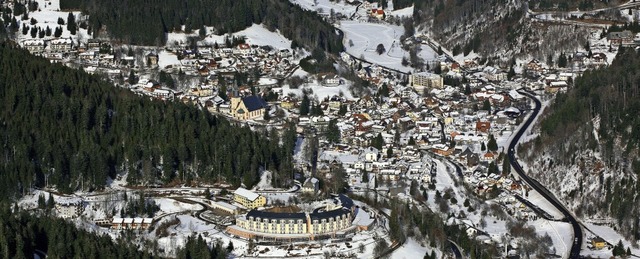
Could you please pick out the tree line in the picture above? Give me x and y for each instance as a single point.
(64, 128)
(143, 23)
(22, 234)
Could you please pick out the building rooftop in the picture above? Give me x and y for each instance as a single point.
(254, 103)
(275, 215)
(252, 196)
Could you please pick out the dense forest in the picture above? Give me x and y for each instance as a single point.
(22, 233)
(146, 23)
(67, 129)
(610, 93)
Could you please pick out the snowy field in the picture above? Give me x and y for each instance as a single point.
(166, 58)
(257, 34)
(173, 206)
(609, 235)
(560, 233)
(324, 7)
(411, 250)
(404, 12)
(366, 36)
(318, 89)
(47, 15)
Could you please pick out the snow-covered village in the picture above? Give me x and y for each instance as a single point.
(404, 148)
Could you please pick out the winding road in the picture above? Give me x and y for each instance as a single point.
(577, 230)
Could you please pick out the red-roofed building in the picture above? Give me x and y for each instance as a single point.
(483, 126)
(378, 13)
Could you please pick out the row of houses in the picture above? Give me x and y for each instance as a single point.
(131, 223)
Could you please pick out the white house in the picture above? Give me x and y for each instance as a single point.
(310, 185)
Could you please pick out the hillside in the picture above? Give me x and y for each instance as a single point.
(588, 146)
(63, 128)
(498, 30)
(143, 23)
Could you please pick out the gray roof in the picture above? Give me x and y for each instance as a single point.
(254, 103)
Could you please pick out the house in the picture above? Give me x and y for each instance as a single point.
(371, 154)
(598, 243)
(34, 46)
(555, 87)
(441, 149)
(620, 37)
(117, 223)
(152, 59)
(202, 90)
(423, 80)
(599, 57)
(60, 45)
(331, 80)
(70, 209)
(248, 198)
(247, 108)
(243, 49)
(483, 126)
(310, 185)
(160, 93)
(226, 207)
(378, 14)
(93, 43)
(131, 223)
(535, 66)
(473, 160)
(426, 178)
(489, 157)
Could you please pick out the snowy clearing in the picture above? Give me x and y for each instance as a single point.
(366, 37)
(257, 34)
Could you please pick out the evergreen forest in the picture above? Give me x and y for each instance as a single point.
(148, 22)
(69, 130)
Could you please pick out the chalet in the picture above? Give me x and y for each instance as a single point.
(442, 150)
(202, 90)
(93, 44)
(535, 66)
(69, 209)
(288, 103)
(61, 45)
(106, 60)
(34, 46)
(87, 56)
(310, 185)
(378, 14)
(598, 243)
(162, 93)
(331, 80)
(243, 49)
(555, 87)
(483, 126)
(152, 59)
(131, 223)
(620, 37)
(251, 107)
(489, 157)
(472, 159)
(599, 57)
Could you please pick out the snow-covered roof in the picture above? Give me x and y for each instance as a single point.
(225, 205)
(246, 193)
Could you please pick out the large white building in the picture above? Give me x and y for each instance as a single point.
(330, 222)
(423, 80)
